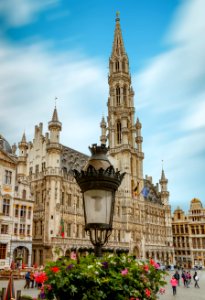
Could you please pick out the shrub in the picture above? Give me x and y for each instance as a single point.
(111, 277)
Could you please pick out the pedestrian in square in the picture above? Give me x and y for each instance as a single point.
(184, 277)
(174, 283)
(177, 277)
(196, 279)
(27, 278)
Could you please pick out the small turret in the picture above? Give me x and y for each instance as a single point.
(164, 192)
(103, 126)
(163, 181)
(21, 166)
(54, 126)
(23, 146)
(138, 138)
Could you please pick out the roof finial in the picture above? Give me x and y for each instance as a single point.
(117, 15)
(56, 98)
(162, 164)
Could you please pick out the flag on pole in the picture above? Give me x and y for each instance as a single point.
(62, 231)
(145, 191)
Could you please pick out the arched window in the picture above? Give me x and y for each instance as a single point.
(117, 65)
(119, 133)
(24, 194)
(6, 207)
(118, 95)
(123, 65)
(125, 95)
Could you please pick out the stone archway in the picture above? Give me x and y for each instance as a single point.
(67, 253)
(21, 255)
(136, 252)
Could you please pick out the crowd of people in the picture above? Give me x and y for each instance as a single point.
(31, 279)
(186, 278)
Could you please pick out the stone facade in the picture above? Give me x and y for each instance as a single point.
(142, 217)
(16, 206)
(189, 235)
(142, 224)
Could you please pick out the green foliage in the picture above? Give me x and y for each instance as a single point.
(25, 297)
(111, 277)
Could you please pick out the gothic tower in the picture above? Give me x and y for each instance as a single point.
(124, 135)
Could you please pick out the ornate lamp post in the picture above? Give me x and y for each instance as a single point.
(98, 182)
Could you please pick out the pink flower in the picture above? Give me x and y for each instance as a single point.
(162, 291)
(156, 265)
(73, 255)
(147, 293)
(124, 272)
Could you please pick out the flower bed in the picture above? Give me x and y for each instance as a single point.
(111, 277)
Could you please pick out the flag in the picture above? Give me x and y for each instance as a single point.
(145, 191)
(62, 232)
(136, 190)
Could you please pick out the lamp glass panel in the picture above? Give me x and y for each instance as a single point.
(98, 205)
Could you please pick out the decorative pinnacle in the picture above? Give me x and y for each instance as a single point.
(56, 98)
(117, 16)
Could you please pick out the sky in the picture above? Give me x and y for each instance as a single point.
(61, 48)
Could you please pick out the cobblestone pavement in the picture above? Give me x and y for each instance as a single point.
(19, 286)
(191, 293)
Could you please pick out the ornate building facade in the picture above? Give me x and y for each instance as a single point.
(142, 218)
(142, 224)
(16, 206)
(189, 235)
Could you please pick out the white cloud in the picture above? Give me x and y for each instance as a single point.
(31, 77)
(194, 118)
(171, 94)
(21, 12)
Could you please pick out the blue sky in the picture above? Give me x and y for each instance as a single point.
(61, 48)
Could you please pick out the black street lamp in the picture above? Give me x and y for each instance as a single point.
(98, 182)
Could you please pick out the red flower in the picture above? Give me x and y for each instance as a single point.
(41, 277)
(55, 269)
(146, 268)
(152, 262)
(147, 293)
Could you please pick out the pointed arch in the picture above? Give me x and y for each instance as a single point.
(119, 132)
(125, 95)
(118, 96)
(124, 65)
(117, 65)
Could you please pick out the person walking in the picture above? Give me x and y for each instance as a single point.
(196, 279)
(184, 277)
(188, 279)
(174, 283)
(177, 277)
(27, 278)
(32, 279)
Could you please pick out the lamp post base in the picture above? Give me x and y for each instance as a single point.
(98, 251)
